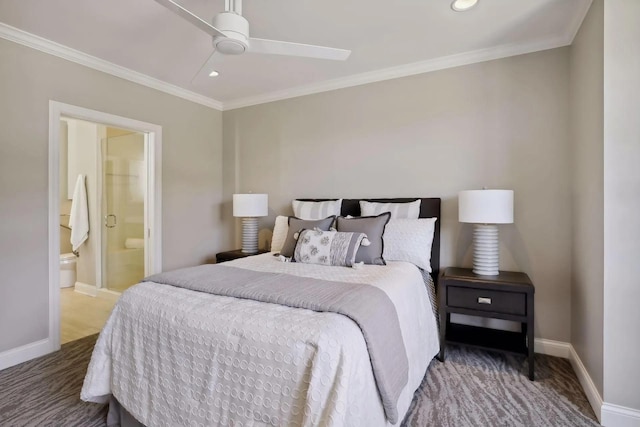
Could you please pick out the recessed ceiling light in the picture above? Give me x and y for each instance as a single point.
(214, 73)
(462, 5)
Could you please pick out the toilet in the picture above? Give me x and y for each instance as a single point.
(67, 270)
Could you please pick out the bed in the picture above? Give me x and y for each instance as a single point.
(175, 356)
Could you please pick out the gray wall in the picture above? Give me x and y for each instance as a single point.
(621, 202)
(586, 98)
(192, 175)
(500, 124)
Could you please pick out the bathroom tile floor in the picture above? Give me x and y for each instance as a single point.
(82, 315)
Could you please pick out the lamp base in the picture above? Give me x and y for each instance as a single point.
(486, 251)
(250, 235)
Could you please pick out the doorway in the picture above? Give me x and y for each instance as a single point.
(114, 163)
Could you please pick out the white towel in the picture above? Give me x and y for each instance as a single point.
(79, 218)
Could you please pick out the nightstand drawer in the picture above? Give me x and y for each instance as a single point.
(487, 300)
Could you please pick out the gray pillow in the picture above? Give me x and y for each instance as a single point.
(296, 225)
(373, 227)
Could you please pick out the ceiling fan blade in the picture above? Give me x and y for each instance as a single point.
(275, 47)
(206, 68)
(193, 19)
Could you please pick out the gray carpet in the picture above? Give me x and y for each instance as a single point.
(46, 391)
(480, 388)
(473, 388)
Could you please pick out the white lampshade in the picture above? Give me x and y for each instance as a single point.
(250, 205)
(485, 209)
(485, 206)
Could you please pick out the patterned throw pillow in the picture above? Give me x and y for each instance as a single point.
(327, 247)
(295, 226)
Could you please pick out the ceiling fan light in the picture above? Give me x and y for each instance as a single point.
(214, 73)
(230, 46)
(463, 5)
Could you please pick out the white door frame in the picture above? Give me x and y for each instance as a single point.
(153, 207)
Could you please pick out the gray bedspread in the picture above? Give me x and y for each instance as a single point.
(369, 307)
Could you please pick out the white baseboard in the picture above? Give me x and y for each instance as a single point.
(85, 289)
(93, 291)
(552, 348)
(566, 351)
(108, 295)
(42, 347)
(587, 384)
(619, 416)
(608, 414)
(25, 352)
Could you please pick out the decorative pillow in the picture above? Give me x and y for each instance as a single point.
(373, 227)
(398, 210)
(279, 235)
(316, 210)
(296, 225)
(327, 247)
(410, 240)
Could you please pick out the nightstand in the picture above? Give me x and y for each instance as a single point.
(508, 296)
(231, 255)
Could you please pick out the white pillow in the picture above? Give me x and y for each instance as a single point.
(409, 240)
(280, 231)
(316, 210)
(398, 210)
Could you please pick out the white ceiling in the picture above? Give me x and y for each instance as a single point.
(387, 38)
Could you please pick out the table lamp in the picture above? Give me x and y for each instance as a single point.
(485, 209)
(249, 207)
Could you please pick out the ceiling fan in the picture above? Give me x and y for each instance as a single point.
(230, 32)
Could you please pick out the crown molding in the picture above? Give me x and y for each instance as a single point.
(435, 64)
(36, 42)
(47, 46)
(411, 69)
(574, 27)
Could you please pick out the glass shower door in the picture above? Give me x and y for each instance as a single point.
(123, 211)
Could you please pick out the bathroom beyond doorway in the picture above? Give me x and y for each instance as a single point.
(123, 205)
(111, 165)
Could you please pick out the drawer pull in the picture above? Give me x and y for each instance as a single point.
(483, 300)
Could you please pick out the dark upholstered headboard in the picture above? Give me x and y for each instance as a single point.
(429, 208)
